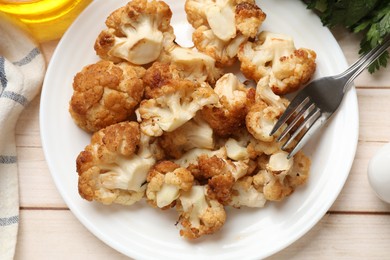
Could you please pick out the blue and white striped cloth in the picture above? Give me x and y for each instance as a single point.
(22, 68)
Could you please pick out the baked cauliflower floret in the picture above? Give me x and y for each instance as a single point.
(191, 64)
(210, 166)
(199, 215)
(246, 192)
(178, 103)
(275, 55)
(135, 32)
(281, 176)
(158, 75)
(225, 17)
(190, 158)
(220, 175)
(113, 167)
(222, 38)
(166, 180)
(237, 145)
(264, 93)
(224, 52)
(196, 133)
(260, 120)
(105, 93)
(235, 100)
(249, 18)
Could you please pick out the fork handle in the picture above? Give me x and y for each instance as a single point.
(362, 63)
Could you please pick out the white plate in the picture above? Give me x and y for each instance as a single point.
(142, 232)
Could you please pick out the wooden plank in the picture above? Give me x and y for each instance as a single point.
(343, 237)
(27, 128)
(48, 48)
(38, 190)
(56, 234)
(357, 195)
(374, 115)
(36, 186)
(349, 44)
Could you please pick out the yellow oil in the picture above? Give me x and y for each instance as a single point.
(45, 19)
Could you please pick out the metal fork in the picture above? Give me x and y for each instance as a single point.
(316, 103)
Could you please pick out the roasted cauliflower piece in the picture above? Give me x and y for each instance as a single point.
(114, 166)
(260, 120)
(264, 93)
(166, 181)
(235, 100)
(226, 17)
(281, 176)
(246, 193)
(222, 26)
(190, 63)
(177, 103)
(249, 17)
(105, 93)
(224, 52)
(275, 55)
(196, 133)
(237, 145)
(199, 215)
(158, 75)
(135, 32)
(190, 158)
(220, 175)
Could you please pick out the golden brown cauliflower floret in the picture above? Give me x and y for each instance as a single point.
(190, 158)
(235, 100)
(226, 18)
(224, 52)
(260, 120)
(135, 32)
(249, 18)
(245, 193)
(105, 93)
(113, 167)
(210, 166)
(281, 176)
(264, 93)
(275, 55)
(166, 181)
(222, 26)
(199, 215)
(196, 133)
(190, 63)
(220, 175)
(238, 144)
(158, 75)
(177, 103)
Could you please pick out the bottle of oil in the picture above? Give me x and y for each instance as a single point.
(45, 19)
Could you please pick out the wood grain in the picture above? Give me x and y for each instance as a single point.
(356, 227)
(53, 234)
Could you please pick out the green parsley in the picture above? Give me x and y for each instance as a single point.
(370, 18)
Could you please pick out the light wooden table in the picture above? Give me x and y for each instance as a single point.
(356, 227)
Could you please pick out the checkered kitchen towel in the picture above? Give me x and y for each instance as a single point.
(22, 68)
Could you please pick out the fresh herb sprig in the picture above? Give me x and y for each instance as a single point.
(371, 18)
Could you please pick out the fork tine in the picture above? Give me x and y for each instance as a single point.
(306, 136)
(309, 106)
(313, 115)
(296, 103)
